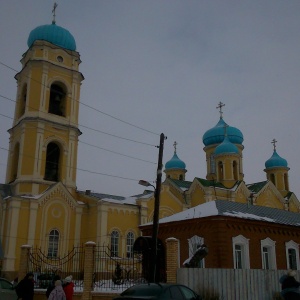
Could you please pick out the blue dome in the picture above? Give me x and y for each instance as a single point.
(275, 161)
(226, 147)
(175, 163)
(53, 34)
(216, 135)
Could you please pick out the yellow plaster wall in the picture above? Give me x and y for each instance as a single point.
(197, 196)
(269, 198)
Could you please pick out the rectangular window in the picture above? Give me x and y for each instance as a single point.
(292, 259)
(238, 251)
(266, 258)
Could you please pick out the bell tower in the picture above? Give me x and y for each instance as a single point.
(44, 135)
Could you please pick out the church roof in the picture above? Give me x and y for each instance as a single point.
(216, 134)
(212, 183)
(257, 186)
(181, 184)
(236, 210)
(226, 147)
(275, 161)
(53, 34)
(175, 163)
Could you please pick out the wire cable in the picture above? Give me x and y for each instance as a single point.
(84, 104)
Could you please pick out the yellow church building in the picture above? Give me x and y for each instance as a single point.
(40, 204)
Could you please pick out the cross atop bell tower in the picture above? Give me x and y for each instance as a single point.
(53, 12)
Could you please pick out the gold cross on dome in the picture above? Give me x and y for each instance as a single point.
(274, 143)
(220, 105)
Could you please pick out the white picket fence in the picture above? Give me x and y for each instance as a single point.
(231, 284)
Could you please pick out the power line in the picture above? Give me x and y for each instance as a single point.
(88, 144)
(89, 106)
(97, 130)
(79, 169)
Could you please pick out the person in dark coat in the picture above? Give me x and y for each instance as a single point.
(290, 286)
(25, 288)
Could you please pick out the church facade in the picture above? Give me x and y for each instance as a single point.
(40, 204)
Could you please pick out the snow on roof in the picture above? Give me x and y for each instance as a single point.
(237, 210)
(247, 216)
(199, 211)
(129, 200)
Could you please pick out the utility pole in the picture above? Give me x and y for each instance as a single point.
(156, 210)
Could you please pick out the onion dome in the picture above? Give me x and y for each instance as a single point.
(216, 134)
(275, 161)
(53, 34)
(226, 147)
(175, 163)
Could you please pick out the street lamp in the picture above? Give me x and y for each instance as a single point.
(146, 183)
(156, 207)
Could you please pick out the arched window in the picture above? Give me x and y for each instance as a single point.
(57, 101)
(114, 243)
(181, 177)
(52, 162)
(240, 246)
(22, 101)
(129, 244)
(212, 164)
(235, 170)
(268, 254)
(53, 243)
(15, 163)
(286, 182)
(194, 243)
(220, 171)
(292, 255)
(272, 178)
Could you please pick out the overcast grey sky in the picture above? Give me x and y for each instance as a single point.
(163, 65)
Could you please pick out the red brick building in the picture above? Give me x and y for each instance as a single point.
(238, 235)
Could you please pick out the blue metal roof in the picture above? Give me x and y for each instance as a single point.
(275, 161)
(53, 34)
(226, 147)
(216, 134)
(175, 163)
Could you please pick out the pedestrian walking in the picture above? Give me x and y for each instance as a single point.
(68, 287)
(290, 286)
(25, 288)
(58, 292)
(51, 286)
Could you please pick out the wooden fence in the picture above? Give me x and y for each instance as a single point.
(228, 284)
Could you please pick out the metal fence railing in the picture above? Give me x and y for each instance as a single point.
(45, 268)
(115, 273)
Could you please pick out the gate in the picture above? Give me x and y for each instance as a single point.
(45, 267)
(115, 272)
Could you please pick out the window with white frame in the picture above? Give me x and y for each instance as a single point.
(114, 243)
(292, 255)
(53, 243)
(240, 246)
(194, 243)
(268, 254)
(129, 244)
